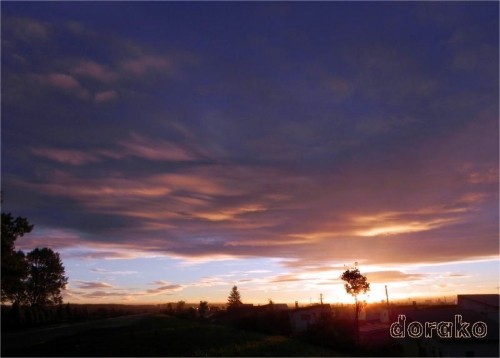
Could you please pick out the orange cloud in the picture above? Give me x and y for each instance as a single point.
(230, 214)
(391, 276)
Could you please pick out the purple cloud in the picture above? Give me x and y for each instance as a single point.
(94, 70)
(144, 63)
(106, 96)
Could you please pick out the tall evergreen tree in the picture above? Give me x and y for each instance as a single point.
(234, 299)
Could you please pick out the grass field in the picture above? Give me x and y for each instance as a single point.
(162, 335)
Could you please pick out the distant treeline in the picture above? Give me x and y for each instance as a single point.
(29, 317)
(330, 332)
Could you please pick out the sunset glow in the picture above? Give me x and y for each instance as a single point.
(169, 151)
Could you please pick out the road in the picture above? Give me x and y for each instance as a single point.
(40, 335)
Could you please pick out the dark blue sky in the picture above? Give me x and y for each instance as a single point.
(289, 130)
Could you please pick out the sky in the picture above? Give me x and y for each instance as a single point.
(171, 150)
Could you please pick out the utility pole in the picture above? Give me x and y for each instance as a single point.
(387, 300)
(321, 298)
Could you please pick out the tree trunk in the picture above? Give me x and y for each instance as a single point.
(357, 321)
(16, 314)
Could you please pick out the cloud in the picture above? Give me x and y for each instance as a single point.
(90, 285)
(105, 294)
(391, 276)
(106, 96)
(156, 149)
(95, 71)
(287, 278)
(230, 214)
(456, 275)
(109, 272)
(406, 222)
(371, 153)
(91, 254)
(211, 281)
(160, 282)
(136, 145)
(71, 85)
(215, 206)
(146, 63)
(487, 175)
(64, 82)
(122, 63)
(66, 156)
(190, 193)
(55, 238)
(168, 289)
(26, 29)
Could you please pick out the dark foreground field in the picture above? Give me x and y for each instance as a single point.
(158, 335)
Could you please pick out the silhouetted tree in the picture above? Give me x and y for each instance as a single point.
(36, 278)
(45, 277)
(203, 308)
(170, 308)
(356, 284)
(14, 268)
(179, 307)
(234, 299)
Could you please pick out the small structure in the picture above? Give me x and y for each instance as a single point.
(304, 317)
(374, 314)
(486, 305)
(244, 308)
(272, 307)
(374, 335)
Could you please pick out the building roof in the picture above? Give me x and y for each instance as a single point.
(313, 308)
(275, 306)
(486, 299)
